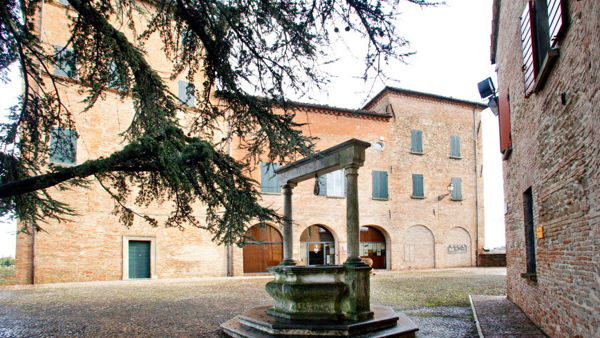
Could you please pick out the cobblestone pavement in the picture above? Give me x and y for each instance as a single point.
(437, 300)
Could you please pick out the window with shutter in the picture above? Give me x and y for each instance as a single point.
(185, 93)
(454, 146)
(542, 24)
(457, 191)
(335, 184)
(380, 184)
(556, 20)
(63, 146)
(417, 182)
(65, 62)
(529, 48)
(504, 123)
(268, 179)
(416, 141)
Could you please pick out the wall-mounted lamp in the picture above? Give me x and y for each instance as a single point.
(487, 90)
(450, 189)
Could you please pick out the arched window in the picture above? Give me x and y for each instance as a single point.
(264, 250)
(372, 245)
(318, 246)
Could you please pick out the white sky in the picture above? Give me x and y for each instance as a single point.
(452, 44)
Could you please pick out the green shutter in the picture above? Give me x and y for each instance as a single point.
(323, 185)
(417, 180)
(416, 141)
(454, 146)
(139, 259)
(184, 96)
(457, 191)
(64, 63)
(63, 146)
(380, 184)
(268, 179)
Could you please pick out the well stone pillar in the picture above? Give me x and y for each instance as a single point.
(288, 242)
(352, 221)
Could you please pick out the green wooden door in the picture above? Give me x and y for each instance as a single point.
(139, 259)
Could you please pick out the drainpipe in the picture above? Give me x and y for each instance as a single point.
(476, 186)
(33, 255)
(229, 247)
(33, 234)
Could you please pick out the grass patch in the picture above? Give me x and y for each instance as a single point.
(427, 289)
(423, 314)
(8, 275)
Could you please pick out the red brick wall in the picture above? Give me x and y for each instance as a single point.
(557, 153)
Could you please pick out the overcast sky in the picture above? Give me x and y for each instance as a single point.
(452, 54)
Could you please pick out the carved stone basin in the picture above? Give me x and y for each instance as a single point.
(328, 292)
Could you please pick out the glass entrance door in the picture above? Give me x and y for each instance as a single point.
(321, 253)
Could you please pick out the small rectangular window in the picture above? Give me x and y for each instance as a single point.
(529, 232)
(380, 184)
(63, 146)
(454, 146)
(336, 184)
(268, 179)
(457, 190)
(417, 183)
(416, 141)
(185, 93)
(65, 63)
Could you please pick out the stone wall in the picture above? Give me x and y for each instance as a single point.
(556, 152)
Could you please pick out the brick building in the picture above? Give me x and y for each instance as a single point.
(547, 54)
(421, 145)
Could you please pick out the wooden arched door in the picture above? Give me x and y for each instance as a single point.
(264, 250)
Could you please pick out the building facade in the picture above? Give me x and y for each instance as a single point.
(422, 144)
(547, 54)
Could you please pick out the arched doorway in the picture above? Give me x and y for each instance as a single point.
(264, 250)
(419, 247)
(318, 246)
(372, 245)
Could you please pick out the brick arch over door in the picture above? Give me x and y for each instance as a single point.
(458, 247)
(264, 250)
(419, 251)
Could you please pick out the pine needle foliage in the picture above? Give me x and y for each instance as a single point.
(250, 54)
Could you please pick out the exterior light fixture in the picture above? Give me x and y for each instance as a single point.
(450, 188)
(488, 90)
(316, 188)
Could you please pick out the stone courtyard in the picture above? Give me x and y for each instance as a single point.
(436, 300)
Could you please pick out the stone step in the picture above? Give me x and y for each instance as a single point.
(257, 323)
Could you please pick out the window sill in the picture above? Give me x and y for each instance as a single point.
(62, 164)
(270, 193)
(455, 157)
(549, 61)
(456, 199)
(416, 153)
(379, 198)
(529, 276)
(336, 197)
(417, 197)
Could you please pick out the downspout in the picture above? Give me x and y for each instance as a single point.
(33, 234)
(476, 186)
(228, 247)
